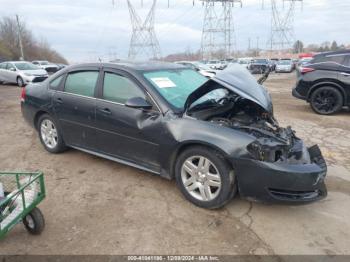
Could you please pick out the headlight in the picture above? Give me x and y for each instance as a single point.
(264, 152)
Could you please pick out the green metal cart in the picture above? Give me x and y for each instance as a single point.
(19, 196)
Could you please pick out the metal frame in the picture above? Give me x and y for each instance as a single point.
(20, 191)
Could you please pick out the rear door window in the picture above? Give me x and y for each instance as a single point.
(81, 83)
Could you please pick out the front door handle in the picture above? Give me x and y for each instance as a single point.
(105, 111)
(344, 74)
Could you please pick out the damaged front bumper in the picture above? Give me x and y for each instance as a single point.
(282, 182)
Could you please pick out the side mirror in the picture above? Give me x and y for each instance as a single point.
(138, 103)
(12, 69)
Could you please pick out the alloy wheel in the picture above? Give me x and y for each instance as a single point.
(48, 133)
(325, 101)
(201, 178)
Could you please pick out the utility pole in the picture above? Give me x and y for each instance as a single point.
(218, 33)
(19, 29)
(143, 43)
(257, 46)
(249, 46)
(282, 25)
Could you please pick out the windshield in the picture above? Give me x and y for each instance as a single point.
(175, 85)
(260, 61)
(284, 62)
(26, 66)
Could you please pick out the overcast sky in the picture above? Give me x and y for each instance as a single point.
(83, 30)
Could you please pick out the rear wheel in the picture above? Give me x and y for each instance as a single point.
(326, 100)
(34, 222)
(20, 81)
(205, 178)
(50, 135)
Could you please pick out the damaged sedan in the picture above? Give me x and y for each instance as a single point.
(216, 137)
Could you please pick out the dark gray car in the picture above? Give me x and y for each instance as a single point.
(216, 137)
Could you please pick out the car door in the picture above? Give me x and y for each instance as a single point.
(74, 107)
(344, 76)
(124, 132)
(11, 73)
(3, 72)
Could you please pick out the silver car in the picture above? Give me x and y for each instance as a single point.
(21, 73)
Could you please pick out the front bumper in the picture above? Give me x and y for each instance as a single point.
(34, 79)
(281, 182)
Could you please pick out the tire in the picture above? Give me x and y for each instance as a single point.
(326, 100)
(20, 82)
(195, 187)
(34, 222)
(50, 135)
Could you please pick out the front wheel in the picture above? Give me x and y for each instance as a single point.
(20, 81)
(34, 222)
(326, 100)
(205, 178)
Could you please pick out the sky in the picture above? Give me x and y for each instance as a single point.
(83, 30)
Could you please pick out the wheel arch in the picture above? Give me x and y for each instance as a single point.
(193, 143)
(330, 84)
(37, 117)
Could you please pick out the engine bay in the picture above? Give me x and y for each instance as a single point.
(273, 143)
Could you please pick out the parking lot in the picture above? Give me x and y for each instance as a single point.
(95, 206)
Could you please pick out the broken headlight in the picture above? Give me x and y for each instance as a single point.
(267, 153)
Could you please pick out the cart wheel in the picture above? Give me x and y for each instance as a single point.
(34, 222)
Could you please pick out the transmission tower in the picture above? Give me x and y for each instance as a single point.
(143, 43)
(282, 24)
(218, 36)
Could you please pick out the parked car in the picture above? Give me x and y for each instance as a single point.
(325, 82)
(245, 62)
(203, 69)
(284, 66)
(214, 136)
(273, 62)
(259, 66)
(49, 67)
(21, 73)
(216, 64)
(303, 62)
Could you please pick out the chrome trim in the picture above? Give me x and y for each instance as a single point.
(115, 159)
(63, 92)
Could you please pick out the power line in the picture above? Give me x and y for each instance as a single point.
(144, 42)
(218, 35)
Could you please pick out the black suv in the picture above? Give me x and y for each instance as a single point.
(325, 82)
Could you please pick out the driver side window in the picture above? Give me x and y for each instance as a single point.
(119, 89)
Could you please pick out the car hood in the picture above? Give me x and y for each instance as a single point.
(35, 72)
(239, 80)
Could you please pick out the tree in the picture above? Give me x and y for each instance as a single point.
(33, 49)
(334, 46)
(298, 47)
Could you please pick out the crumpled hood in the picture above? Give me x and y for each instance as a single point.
(236, 79)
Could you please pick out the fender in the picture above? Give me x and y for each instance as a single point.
(328, 83)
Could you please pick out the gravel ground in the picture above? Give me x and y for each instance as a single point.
(95, 206)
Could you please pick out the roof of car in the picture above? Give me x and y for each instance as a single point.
(340, 52)
(135, 66)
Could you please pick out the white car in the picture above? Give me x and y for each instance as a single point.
(49, 67)
(21, 73)
(286, 66)
(203, 69)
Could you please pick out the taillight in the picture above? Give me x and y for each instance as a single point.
(23, 94)
(306, 70)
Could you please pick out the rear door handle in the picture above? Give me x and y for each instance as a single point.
(59, 101)
(344, 74)
(105, 111)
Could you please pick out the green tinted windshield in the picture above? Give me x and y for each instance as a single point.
(176, 85)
